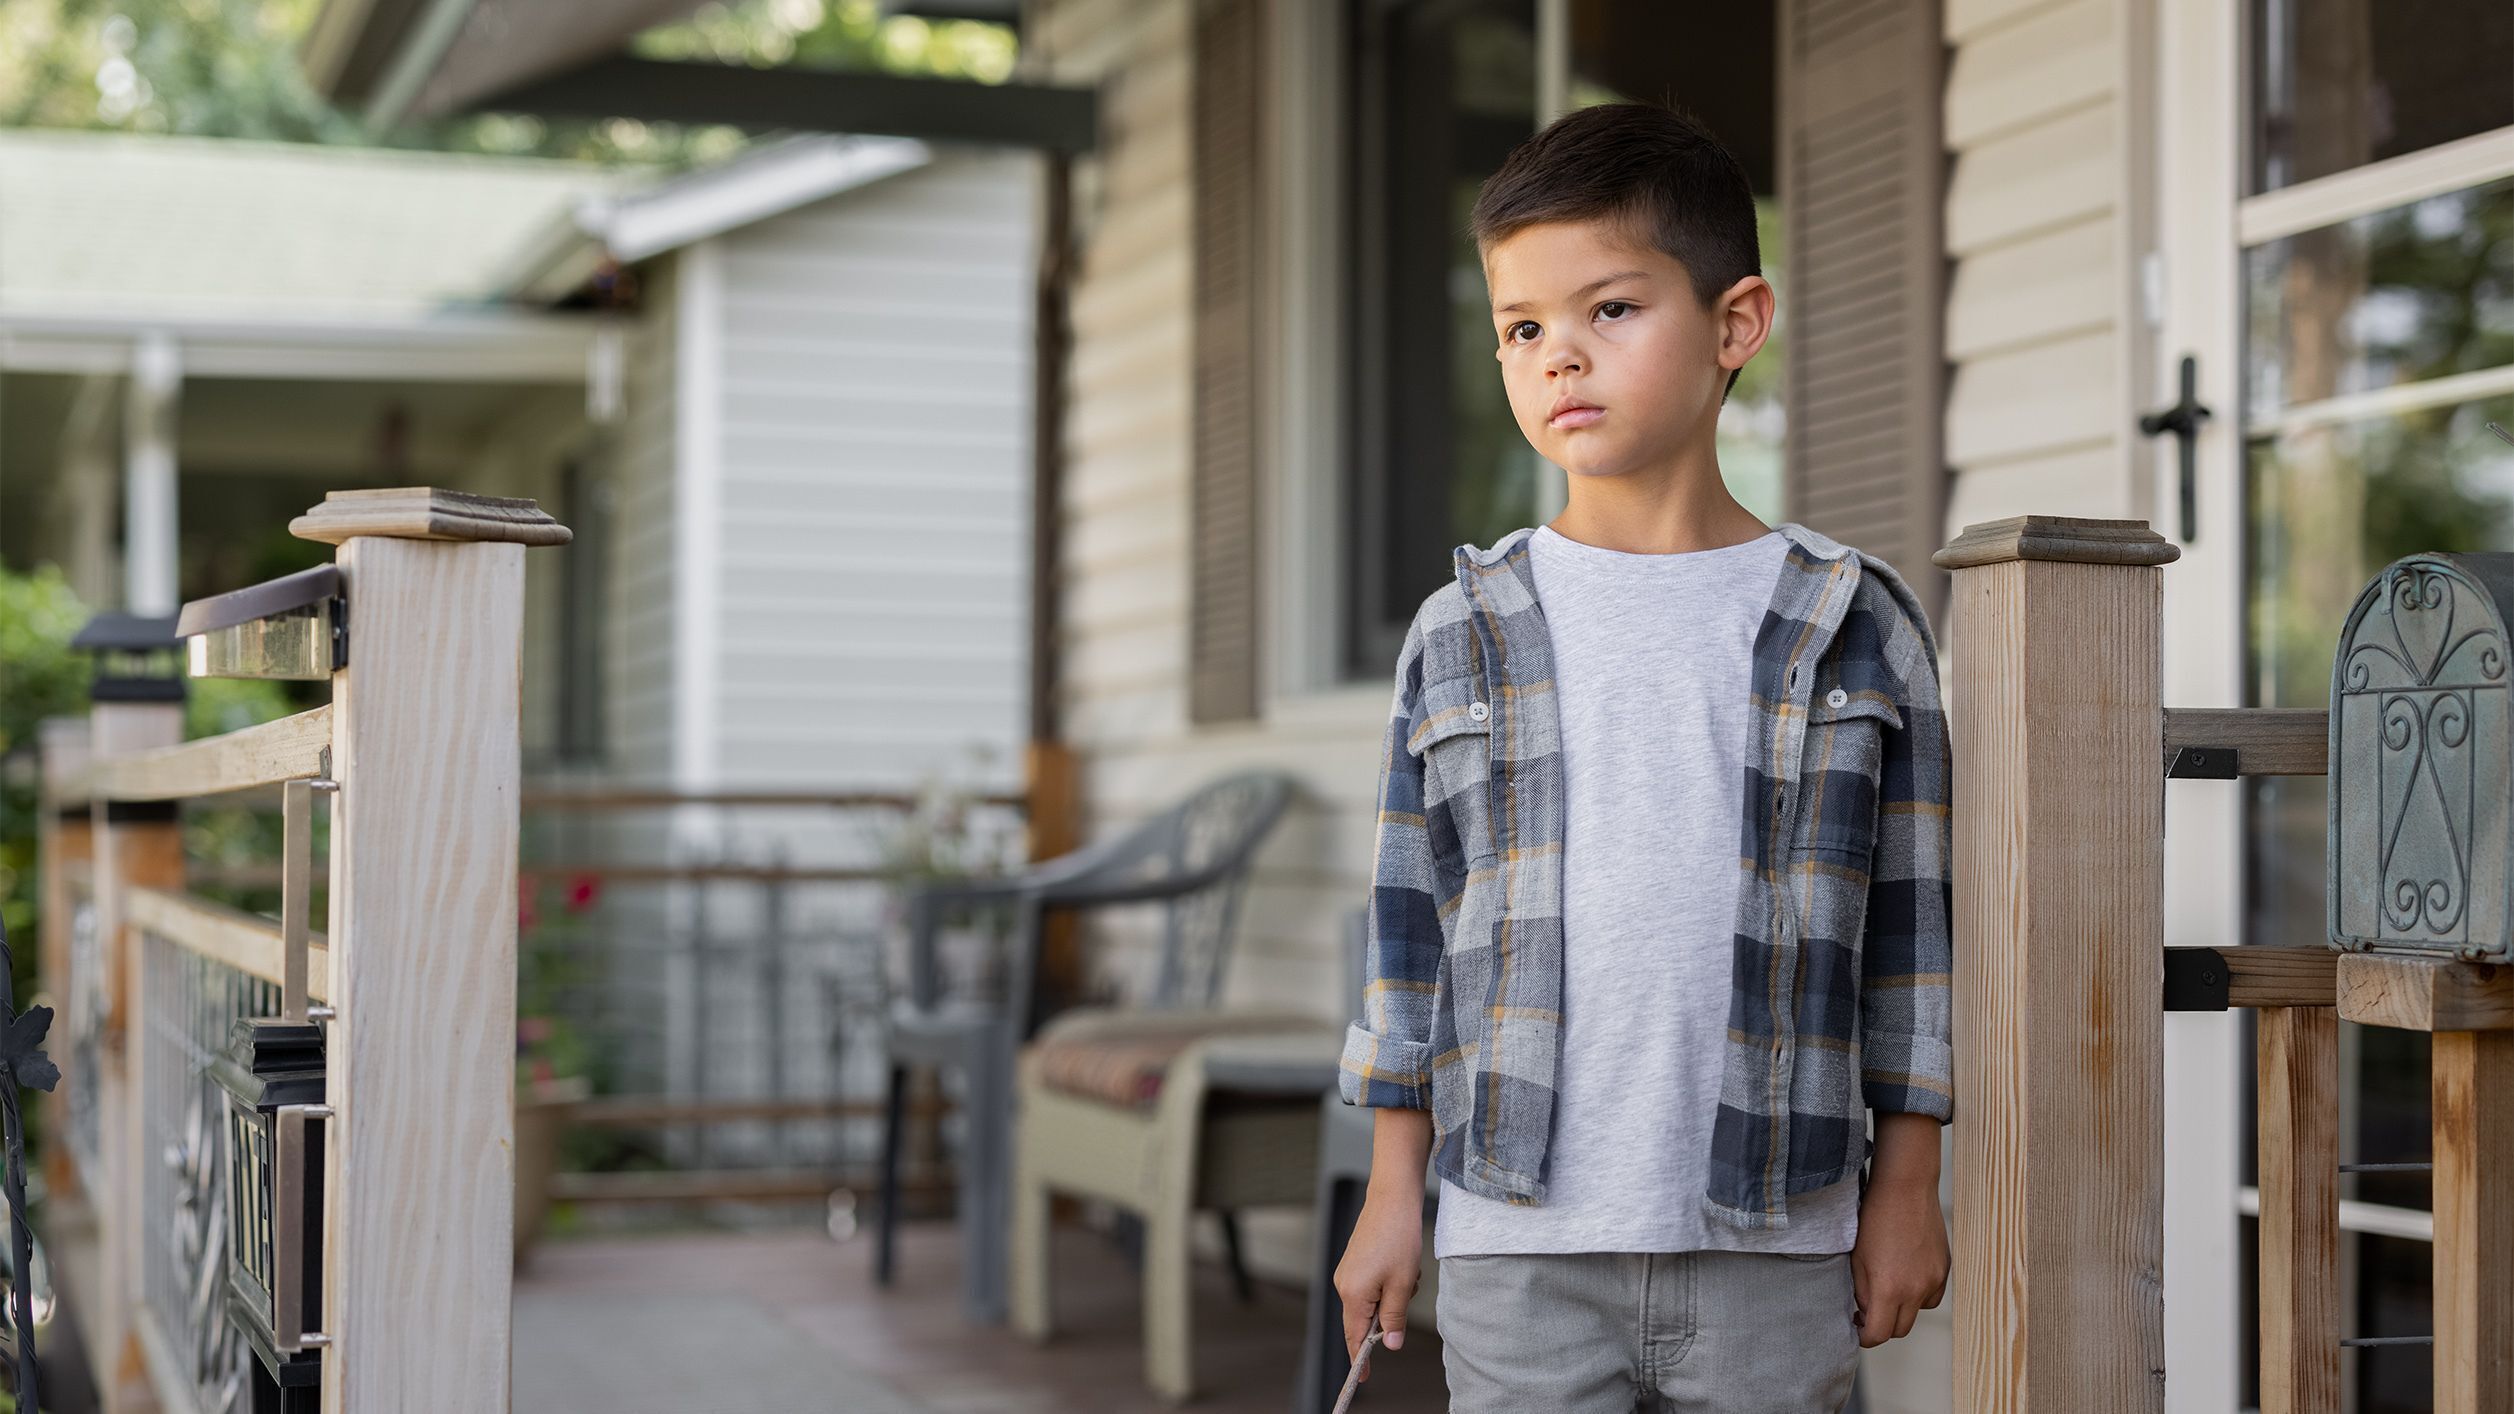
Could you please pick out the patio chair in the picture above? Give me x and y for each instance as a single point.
(1164, 1113)
(1192, 859)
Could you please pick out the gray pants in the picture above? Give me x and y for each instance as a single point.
(1597, 1332)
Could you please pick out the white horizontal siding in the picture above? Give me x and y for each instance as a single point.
(875, 420)
(2036, 327)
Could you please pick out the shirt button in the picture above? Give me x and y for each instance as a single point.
(1836, 698)
(1477, 711)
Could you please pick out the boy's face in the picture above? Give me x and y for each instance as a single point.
(1586, 316)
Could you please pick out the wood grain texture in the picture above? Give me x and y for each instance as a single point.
(2268, 741)
(2059, 1141)
(2424, 993)
(230, 936)
(2281, 977)
(2298, 1050)
(428, 513)
(287, 749)
(422, 1059)
(2473, 1090)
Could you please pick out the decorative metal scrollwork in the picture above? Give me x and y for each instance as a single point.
(2419, 767)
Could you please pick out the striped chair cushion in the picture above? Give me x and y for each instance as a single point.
(1126, 1068)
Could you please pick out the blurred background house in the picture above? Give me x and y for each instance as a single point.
(1115, 412)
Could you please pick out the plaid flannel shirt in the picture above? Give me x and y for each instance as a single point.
(1839, 998)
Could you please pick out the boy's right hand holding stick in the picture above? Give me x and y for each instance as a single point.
(1384, 1260)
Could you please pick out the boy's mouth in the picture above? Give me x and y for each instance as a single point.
(1570, 412)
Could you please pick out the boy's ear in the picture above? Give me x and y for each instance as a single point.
(1744, 310)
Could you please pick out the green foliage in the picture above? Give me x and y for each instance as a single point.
(40, 676)
(230, 68)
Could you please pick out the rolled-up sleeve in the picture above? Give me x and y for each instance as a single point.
(1387, 1050)
(1907, 956)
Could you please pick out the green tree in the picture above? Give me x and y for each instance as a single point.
(229, 68)
(40, 676)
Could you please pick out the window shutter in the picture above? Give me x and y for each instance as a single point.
(1863, 181)
(1227, 140)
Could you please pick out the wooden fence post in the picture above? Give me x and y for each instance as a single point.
(418, 1253)
(2059, 923)
(2298, 1145)
(2472, 1078)
(64, 837)
(138, 844)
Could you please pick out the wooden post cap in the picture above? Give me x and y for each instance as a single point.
(428, 513)
(2078, 541)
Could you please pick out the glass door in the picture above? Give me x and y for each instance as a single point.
(2354, 272)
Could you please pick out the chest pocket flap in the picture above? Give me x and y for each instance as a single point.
(1836, 703)
(1449, 710)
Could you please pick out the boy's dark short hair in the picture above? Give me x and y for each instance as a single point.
(1659, 173)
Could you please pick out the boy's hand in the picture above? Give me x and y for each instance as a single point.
(1899, 1261)
(1381, 1266)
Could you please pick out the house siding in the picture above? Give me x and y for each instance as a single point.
(637, 651)
(2041, 231)
(876, 402)
(1122, 684)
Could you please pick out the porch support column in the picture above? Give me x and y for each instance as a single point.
(149, 509)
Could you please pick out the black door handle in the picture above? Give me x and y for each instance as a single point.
(2183, 420)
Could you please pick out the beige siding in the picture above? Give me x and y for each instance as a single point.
(1122, 688)
(2040, 327)
(1123, 684)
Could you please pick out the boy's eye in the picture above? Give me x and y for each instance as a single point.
(1612, 305)
(1511, 334)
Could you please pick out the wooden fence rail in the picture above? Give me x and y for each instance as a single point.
(416, 968)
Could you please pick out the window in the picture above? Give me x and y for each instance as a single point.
(1441, 90)
(2340, 84)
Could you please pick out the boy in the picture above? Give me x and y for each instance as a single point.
(1638, 1055)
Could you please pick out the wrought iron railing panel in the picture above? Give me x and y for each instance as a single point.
(191, 1003)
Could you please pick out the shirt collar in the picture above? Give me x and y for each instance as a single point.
(1816, 544)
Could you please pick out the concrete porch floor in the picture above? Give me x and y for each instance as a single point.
(792, 1321)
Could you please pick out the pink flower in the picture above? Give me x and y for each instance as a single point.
(582, 891)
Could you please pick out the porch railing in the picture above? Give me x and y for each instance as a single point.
(416, 968)
(722, 957)
(2062, 751)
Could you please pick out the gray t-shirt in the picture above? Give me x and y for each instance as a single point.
(1653, 662)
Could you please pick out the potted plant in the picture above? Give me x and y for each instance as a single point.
(553, 1058)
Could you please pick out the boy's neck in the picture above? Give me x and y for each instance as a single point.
(1670, 510)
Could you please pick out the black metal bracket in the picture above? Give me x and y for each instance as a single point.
(2205, 763)
(2197, 979)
